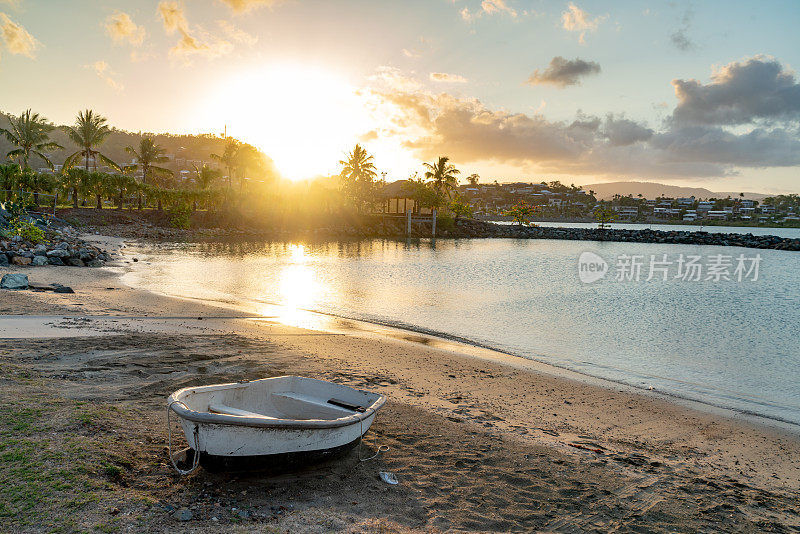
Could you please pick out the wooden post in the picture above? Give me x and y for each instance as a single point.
(408, 222)
(55, 204)
(433, 223)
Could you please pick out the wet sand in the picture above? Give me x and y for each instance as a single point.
(479, 441)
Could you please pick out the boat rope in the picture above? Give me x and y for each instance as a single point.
(382, 448)
(195, 456)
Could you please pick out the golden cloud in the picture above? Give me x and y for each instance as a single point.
(193, 41)
(241, 6)
(488, 7)
(16, 38)
(121, 28)
(447, 78)
(577, 20)
(105, 73)
(237, 34)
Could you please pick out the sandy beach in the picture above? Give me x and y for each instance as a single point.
(478, 441)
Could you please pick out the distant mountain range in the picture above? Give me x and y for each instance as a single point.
(606, 191)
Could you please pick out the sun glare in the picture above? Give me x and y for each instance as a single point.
(303, 117)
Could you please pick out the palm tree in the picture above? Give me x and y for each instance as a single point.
(37, 182)
(146, 155)
(248, 157)
(443, 174)
(9, 175)
(90, 131)
(228, 156)
(31, 134)
(205, 176)
(358, 176)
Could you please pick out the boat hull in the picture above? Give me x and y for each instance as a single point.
(272, 463)
(229, 440)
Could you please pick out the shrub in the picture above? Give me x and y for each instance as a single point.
(444, 222)
(180, 215)
(521, 212)
(28, 231)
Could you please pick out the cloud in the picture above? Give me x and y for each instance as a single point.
(488, 7)
(624, 132)
(121, 28)
(444, 77)
(16, 38)
(465, 129)
(369, 136)
(497, 6)
(563, 72)
(574, 19)
(193, 41)
(105, 73)
(681, 40)
(242, 6)
(680, 37)
(741, 92)
(236, 34)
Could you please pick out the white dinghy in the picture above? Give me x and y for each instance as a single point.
(281, 420)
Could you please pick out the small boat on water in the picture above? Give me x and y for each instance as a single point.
(273, 421)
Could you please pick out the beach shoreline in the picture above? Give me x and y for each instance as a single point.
(610, 430)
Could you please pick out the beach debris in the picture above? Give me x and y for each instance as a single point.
(388, 477)
(584, 447)
(14, 281)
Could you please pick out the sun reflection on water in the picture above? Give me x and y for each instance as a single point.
(299, 290)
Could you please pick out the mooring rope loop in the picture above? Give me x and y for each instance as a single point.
(196, 436)
(382, 448)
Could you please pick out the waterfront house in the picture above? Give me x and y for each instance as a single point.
(718, 214)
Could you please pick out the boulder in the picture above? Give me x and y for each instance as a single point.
(55, 260)
(59, 253)
(14, 281)
(39, 250)
(63, 289)
(95, 263)
(76, 262)
(3, 260)
(38, 261)
(21, 260)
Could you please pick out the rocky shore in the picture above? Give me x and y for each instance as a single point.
(483, 229)
(61, 247)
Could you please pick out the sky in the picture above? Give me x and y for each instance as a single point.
(699, 93)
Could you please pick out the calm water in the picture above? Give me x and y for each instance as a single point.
(727, 343)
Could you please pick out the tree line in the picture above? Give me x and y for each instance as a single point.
(146, 180)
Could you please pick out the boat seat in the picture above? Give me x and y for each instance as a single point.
(228, 410)
(315, 402)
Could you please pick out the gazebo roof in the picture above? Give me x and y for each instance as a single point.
(398, 189)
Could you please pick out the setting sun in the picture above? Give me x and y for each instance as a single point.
(302, 116)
